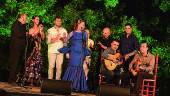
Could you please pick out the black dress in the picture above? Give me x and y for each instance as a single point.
(34, 63)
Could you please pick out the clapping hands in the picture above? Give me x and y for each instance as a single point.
(55, 39)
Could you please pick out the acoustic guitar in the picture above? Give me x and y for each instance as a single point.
(110, 64)
(117, 59)
(136, 67)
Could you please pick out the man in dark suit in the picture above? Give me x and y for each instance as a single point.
(17, 47)
(128, 44)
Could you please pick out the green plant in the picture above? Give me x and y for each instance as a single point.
(111, 3)
(164, 5)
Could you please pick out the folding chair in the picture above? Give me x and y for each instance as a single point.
(149, 85)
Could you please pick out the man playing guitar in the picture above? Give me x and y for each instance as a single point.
(142, 65)
(112, 58)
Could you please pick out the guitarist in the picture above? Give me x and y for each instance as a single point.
(111, 76)
(142, 65)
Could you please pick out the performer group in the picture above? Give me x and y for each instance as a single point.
(122, 62)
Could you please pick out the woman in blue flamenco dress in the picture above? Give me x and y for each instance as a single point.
(77, 53)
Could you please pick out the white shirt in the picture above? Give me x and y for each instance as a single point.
(53, 33)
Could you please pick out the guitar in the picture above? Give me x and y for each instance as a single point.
(112, 64)
(117, 59)
(136, 67)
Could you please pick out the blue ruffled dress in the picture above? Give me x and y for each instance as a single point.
(77, 52)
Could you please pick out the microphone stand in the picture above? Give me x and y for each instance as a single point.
(120, 80)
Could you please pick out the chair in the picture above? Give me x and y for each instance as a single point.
(149, 85)
(101, 76)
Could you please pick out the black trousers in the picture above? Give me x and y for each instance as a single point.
(140, 77)
(114, 76)
(16, 61)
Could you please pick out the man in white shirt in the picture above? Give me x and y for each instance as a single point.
(57, 36)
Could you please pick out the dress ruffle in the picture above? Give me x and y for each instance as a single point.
(65, 49)
(77, 76)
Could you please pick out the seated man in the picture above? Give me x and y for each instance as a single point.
(111, 59)
(142, 65)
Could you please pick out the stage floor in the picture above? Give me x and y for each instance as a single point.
(30, 91)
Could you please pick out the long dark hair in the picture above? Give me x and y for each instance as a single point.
(78, 22)
(32, 24)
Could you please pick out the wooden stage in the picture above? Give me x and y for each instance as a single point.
(12, 90)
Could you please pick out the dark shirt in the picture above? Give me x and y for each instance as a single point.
(105, 41)
(18, 35)
(129, 44)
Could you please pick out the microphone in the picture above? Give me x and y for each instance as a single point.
(137, 51)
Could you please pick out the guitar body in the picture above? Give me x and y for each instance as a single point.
(109, 64)
(134, 73)
(135, 70)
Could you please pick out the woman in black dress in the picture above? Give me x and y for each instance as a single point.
(34, 61)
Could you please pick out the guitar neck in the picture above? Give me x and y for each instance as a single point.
(132, 53)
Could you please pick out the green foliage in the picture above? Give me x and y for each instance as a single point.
(2, 12)
(91, 18)
(164, 59)
(150, 40)
(26, 6)
(5, 31)
(11, 4)
(77, 4)
(49, 3)
(111, 3)
(70, 15)
(36, 9)
(71, 12)
(165, 5)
